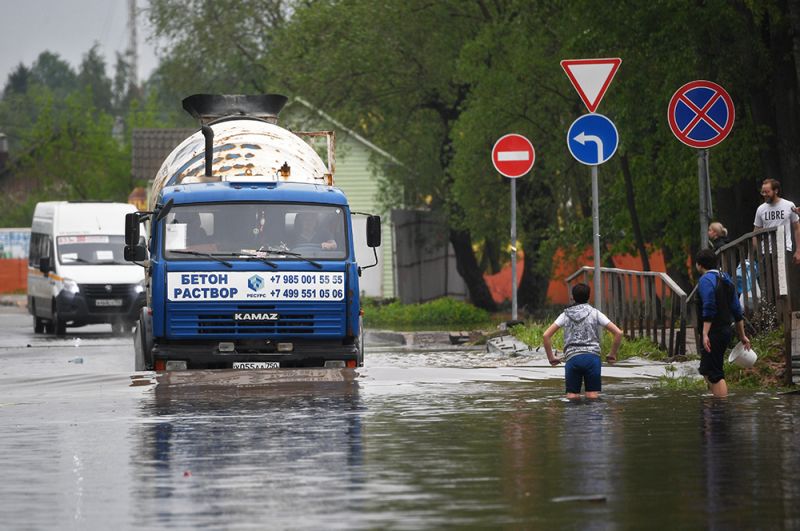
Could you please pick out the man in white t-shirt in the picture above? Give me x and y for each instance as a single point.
(776, 211)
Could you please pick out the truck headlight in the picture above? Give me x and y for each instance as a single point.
(139, 288)
(71, 286)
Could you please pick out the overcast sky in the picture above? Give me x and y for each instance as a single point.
(69, 28)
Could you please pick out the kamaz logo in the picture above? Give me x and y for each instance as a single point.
(255, 316)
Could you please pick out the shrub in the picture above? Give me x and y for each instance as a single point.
(444, 312)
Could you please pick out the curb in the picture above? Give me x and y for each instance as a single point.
(20, 301)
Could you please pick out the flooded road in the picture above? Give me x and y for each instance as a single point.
(414, 440)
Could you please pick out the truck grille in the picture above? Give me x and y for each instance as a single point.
(319, 319)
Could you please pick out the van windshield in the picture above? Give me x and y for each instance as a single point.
(91, 250)
(243, 229)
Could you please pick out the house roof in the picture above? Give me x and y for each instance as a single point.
(347, 130)
(151, 146)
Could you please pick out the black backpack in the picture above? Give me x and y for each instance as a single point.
(723, 293)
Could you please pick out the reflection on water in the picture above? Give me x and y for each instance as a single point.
(334, 455)
(234, 447)
(342, 450)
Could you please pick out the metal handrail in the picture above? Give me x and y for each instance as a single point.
(757, 262)
(632, 301)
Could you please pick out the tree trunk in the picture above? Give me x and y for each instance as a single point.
(537, 215)
(785, 102)
(467, 267)
(680, 273)
(631, 201)
(533, 286)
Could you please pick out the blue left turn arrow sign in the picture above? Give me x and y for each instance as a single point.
(592, 139)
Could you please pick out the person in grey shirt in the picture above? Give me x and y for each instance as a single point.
(582, 324)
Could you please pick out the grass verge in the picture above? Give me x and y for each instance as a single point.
(640, 347)
(767, 373)
(444, 313)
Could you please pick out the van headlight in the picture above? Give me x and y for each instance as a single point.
(71, 286)
(139, 288)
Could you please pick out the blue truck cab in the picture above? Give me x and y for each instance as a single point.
(250, 261)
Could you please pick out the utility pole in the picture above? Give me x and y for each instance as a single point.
(132, 51)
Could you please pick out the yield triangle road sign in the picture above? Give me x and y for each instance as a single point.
(591, 77)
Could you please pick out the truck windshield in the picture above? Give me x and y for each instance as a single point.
(91, 249)
(245, 229)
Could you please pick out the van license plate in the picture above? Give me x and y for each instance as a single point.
(108, 302)
(256, 364)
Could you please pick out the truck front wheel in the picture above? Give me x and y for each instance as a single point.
(143, 342)
(360, 361)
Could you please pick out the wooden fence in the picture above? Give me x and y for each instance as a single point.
(642, 303)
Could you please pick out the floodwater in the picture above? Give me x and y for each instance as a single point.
(408, 442)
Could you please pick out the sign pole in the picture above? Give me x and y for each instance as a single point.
(512, 157)
(701, 181)
(598, 298)
(514, 249)
(701, 114)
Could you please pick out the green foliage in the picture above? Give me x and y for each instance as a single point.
(67, 135)
(765, 374)
(680, 383)
(70, 154)
(444, 312)
(768, 367)
(532, 335)
(436, 83)
(639, 347)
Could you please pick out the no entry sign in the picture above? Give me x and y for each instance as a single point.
(701, 114)
(513, 155)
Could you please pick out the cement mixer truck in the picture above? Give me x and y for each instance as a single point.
(249, 255)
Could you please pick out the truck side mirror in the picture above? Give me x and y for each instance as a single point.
(373, 231)
(44, 264)
(135, 253)
(132, 228)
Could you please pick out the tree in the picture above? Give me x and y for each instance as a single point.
(50, 71)
(92, 76)
(62, 142)
(18, 81)
(391, 69)
(437, 82)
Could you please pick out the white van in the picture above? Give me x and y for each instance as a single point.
(77, 274)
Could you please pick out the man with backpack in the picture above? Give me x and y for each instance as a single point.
(718, 307)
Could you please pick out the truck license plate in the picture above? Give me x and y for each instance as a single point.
(108, 302)
(256, 364)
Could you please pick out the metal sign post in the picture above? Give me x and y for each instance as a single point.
(513, 156)
(598, 297)
(702, 181)
(593, 139)
(701, 115)
(513, 249)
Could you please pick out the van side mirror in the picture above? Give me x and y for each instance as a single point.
(135, 253)
(373, 231)
(44, 264)
(132, 228)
